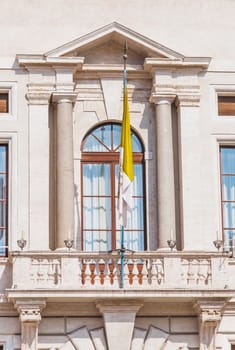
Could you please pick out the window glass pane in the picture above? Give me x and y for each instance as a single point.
(228, 239)
(96, 179)
(228, 187)
(110, 136)
(97, 241)
(137, 221)
(116, 136)
(97, 213)
(229, 214)
(228, 160)
(103, 133)
(117, 167)
(2, 242)
(2, 186)
(2, 214)
(2, 158)
(133, 240)
(136, 145)
(138, 180)
(93, 145)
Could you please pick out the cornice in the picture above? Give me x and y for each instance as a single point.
(39, 93)
(192, 63)
(64, 96)
(41, 61)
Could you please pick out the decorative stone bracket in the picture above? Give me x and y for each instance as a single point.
(209, 317)
(30, 316)
(119, 321)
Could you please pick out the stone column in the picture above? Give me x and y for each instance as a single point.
(30, 316)
(209, 318)
(165, 170)
(64, 168)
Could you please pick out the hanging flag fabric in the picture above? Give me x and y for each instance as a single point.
(126, 175)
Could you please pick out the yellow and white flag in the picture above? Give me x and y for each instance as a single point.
(126, 175)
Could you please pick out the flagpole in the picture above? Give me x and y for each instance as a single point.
(122, 250)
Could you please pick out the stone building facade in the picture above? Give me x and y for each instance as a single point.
(179, 282)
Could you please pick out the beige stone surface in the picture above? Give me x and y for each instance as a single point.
(184, 324)
(138, 338)
(99, 339)
(73, 323)
(9, 325)
(155, 339)
(180, 15)
(162, 323)
(52, 325)
(81, 339)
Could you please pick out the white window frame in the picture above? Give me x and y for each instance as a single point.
(221, 90)
(229, 141)
(11, 140)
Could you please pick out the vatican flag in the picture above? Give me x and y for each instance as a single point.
(126, 175)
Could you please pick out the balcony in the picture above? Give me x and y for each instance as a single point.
(96, 275)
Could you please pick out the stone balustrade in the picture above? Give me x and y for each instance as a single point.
(142, 270)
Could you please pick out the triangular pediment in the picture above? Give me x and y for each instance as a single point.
(102, 50)
(106, 44)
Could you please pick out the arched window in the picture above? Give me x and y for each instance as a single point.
(99, 173)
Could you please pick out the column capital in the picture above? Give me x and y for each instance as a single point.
(38, 98)
(30, 310)
(64, 96)
(39, 93)
(162, 98)
(188, 100)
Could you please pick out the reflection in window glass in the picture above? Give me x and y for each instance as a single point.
(4, 102)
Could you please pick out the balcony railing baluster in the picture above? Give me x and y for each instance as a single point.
(143, 270)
